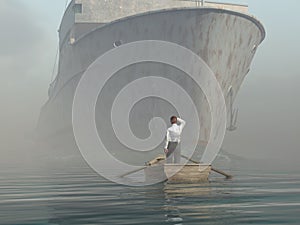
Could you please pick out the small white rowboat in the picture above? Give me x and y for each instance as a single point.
(157, 170)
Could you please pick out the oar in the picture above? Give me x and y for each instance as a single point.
(150, 163)
(193, 161)
(228, 176)
(133, 171)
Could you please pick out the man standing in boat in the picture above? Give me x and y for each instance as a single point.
(172, 146)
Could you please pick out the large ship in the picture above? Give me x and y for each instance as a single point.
(224, 35)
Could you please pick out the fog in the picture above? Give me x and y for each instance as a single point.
(269, 118)
(28, 46)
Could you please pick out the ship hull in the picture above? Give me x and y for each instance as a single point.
(225, 40)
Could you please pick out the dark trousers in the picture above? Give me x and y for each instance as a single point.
(174, 152)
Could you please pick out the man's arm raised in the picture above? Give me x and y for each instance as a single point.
(182, 123)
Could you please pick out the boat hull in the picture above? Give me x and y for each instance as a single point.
(177, 173)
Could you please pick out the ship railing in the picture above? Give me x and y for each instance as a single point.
(222, 5)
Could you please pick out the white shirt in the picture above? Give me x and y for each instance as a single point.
(174, 132)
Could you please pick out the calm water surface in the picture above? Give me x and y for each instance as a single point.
(79, 196)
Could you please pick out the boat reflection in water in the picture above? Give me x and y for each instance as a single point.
(176, 197)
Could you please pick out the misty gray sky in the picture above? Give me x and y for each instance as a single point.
(269, 119)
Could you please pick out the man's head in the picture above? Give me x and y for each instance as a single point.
(173, 119)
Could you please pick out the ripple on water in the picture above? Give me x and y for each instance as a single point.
(81, 197)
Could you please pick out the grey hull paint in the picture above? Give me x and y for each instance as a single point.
(225, 40)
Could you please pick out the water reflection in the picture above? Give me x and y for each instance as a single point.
(186, 190)
(80, 196)
(176, 196)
